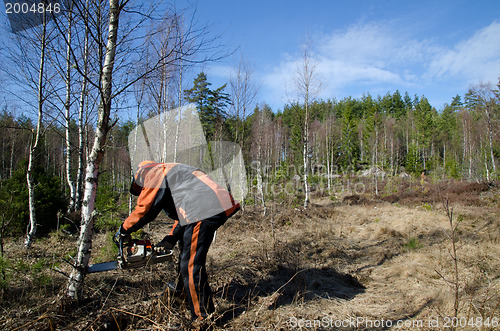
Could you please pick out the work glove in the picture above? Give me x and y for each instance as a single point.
(120, 234)
(166, 244)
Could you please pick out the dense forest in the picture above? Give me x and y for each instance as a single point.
(390, 135)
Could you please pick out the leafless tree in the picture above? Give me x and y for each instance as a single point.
(488, 103)
(113, 73)
(308, 86)
(103, 126)
(28, 69)
(243, 92)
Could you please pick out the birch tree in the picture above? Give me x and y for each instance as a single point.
(67, 114)
(243, 92)
(75, 283)
(81, 111)
(35, 141)
(487, 99)
(308, 86)
(31, 75)
(116, 62)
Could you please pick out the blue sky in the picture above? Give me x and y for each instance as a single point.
(437, 48)
(432, 48)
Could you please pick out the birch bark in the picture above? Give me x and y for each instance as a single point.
(67, 115)
(36, 139)
(75, 283)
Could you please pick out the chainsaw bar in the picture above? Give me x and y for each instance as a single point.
(99, 267)
(132, 255)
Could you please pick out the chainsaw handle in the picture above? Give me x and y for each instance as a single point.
(120, 246)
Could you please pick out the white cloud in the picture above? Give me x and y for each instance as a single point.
(471, 60)
(369, 44)
(362, 55)
(378, 56)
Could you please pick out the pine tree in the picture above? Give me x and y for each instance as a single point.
(349, 147)
(199, 94)
(211, 105)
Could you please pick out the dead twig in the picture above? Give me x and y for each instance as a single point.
(56, 269)
(95, 320)
(32, 322)
(136, 315)
(117, 324)
(275, 295)
(452, 236)
(107, 297)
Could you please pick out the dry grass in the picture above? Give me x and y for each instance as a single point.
(362, 258)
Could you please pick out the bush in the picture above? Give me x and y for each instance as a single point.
(49, 200)
(112, 206)
(39, 273)
(412, 244)
(109, 251)
(4, 276)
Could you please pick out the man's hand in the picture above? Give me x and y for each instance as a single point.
(121, 235)
(165, 244)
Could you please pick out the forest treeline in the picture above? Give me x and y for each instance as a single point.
(394, 134)
(72, 78)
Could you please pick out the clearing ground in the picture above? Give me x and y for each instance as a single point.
(357, 262)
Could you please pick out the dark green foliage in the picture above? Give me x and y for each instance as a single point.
(14, 135)
(414, 162)
(211, 105)
(452, 168)
(293, 118)
(349, 149)
(49, 200)
(4, 274)
(111, 205)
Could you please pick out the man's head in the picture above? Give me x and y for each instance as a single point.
(139, 176)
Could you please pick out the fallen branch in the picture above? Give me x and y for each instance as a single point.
(56, 269)
(32, 322)
(107, 297)
(136, 315)
(275, 295)
(118, 325)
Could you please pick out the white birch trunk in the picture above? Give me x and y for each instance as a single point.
(81, 109)
(490, 138)
(485, 162)
(327, 145)
(176, 143)
(163, 109)
(260, 188)
(75, 283)
(34, 144)
(67, 106)
(259, 168)
(305, 156)
(392, 155)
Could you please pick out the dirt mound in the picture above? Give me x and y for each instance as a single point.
(464, 193)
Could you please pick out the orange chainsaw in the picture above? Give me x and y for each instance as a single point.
(133, 254)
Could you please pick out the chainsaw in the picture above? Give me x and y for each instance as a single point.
(134, 254)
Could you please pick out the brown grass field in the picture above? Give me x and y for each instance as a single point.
(351, 262)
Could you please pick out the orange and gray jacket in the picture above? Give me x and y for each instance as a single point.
(185, 193)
